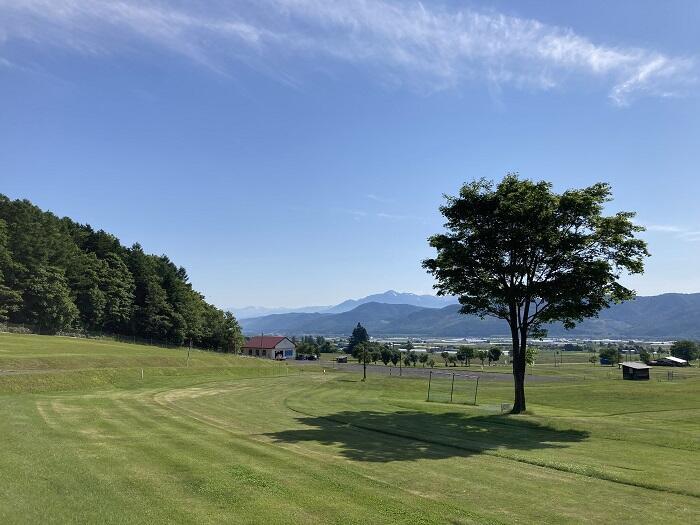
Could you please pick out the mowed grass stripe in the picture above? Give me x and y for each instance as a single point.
(506, 469)
(674, 467)
(215, 442)
(341, 481)
(68, 479)
(187, 448)
(670, 466)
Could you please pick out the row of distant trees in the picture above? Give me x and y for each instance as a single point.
(310, 345)
(366, 351)
(683, 349)
(58, 276)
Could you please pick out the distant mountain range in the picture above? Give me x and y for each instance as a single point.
(248, 312)
(388, 297)
(666, 316)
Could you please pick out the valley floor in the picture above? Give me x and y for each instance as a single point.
(231, 439)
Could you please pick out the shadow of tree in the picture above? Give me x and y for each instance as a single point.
(412, 435)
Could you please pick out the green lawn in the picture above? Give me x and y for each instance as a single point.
(233, 439)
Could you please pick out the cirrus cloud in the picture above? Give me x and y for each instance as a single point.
(435, 47)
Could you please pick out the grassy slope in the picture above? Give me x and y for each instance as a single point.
(237, 439)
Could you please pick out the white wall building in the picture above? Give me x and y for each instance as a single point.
(269, 347)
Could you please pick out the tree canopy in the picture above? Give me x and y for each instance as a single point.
(359, 335)
(685, 349)
(494, 354)
(520, 252)
(610, 354)
(59, 276)
(366, 351)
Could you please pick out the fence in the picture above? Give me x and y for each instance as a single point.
(673, 375)
(452, 387)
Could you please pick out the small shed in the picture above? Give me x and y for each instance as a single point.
(635, 370)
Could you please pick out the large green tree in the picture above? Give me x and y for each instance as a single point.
(520, 252)
(118, 286)
(48, 302)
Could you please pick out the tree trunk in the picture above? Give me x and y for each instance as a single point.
(519, 342)
(364, 369)
(519, 378)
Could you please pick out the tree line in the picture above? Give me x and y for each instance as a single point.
(366, 351)
(310, 345)
(61, 276)
(683, 349)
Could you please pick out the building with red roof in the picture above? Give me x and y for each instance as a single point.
(270, 347)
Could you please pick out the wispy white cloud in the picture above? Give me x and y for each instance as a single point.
(690, 235)
(395, 216)
(435, 47)
(382, 215)
(679, 232)
(356, 214)
(379, 198)
(669, 228)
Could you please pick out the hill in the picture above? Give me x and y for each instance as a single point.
(656, 317)
(59, 276)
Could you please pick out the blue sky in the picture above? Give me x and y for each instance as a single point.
(292, 152)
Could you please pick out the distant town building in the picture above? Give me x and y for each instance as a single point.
(270, 347)
(671, 361)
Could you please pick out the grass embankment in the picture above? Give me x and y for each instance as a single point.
(33, 363)
(232, 439)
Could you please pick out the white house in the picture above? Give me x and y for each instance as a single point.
(269, 347)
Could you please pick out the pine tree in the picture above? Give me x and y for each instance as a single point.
(359, 335)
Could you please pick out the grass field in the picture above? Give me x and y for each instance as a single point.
(232, 439)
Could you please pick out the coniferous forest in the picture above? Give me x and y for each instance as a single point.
(58, 276)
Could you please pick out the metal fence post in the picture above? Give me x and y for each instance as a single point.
(453, 387)
(430, 377)
(476, 390)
